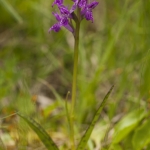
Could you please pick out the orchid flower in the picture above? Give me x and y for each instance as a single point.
(65, 16)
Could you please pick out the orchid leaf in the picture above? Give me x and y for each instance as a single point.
(42, 134)
(88, 132)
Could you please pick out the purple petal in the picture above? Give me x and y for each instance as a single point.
(64, 10)
(84, 10)
(57, 2)
(88, 15)
(57, 16)
(82, 3)
(55, 27)
(73, 8)
(64, 21)
(92, 5)
(68, 27)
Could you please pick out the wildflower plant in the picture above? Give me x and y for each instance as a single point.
(71, 20)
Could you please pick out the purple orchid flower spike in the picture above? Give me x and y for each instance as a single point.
(62, 21)
(66, 15)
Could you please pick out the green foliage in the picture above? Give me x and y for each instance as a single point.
(2, 147)
(42, 134)
(132, 131)
(116, 147)
(11, 10)
(141, 137)
(10, 73)
(127, 124)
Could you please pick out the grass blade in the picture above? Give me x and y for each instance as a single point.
(11, 10)
(42, 134)
(88, 132)
(66, 107)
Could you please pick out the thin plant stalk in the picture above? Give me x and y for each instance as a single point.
(75, 67)
(74, 83)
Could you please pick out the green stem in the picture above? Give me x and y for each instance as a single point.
(75, 67)
(74, 83)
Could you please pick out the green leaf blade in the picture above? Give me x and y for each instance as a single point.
(141, 136)
(42, 134)
(88, 132)
(127, 124)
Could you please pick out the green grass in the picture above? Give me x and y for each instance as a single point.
(114, 50)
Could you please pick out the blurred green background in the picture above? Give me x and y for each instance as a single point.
(36, 66)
